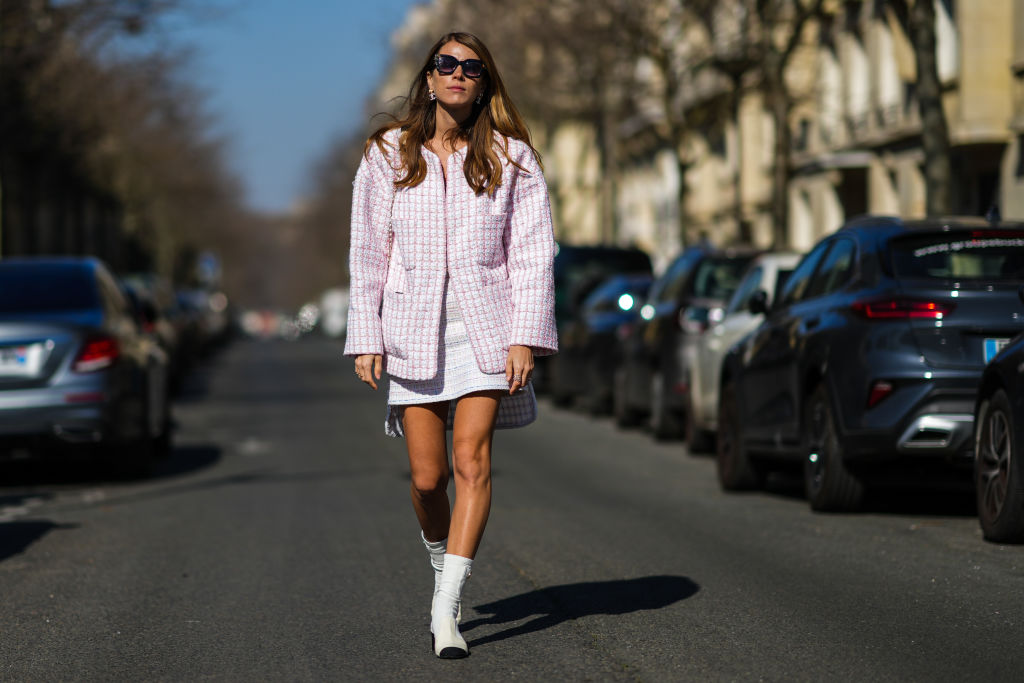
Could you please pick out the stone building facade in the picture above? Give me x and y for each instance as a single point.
(854, 124)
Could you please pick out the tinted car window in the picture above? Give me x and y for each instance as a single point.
(750, 284)
(114, 301)
(670, 285)
(781, 278)
(40, 287)
(835, 269)
(987, 255)
(718, 277)
(796, 286)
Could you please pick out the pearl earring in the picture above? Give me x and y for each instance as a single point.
(432, 96)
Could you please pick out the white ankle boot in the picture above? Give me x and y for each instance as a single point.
(448, 642)
(437, 549)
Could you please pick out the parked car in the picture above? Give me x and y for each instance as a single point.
(75, 367)
(868, 363)
(651, 381)
(587, 347)
(577, 271)
(762, 279)
(157, 306)
(999, 444)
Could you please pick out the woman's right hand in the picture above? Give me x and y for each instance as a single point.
(368, 368)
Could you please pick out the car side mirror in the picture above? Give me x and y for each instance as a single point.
(758, 304)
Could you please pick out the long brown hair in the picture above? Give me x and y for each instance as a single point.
(495, 113)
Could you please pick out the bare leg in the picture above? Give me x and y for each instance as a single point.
(424, 427)
(471, 459)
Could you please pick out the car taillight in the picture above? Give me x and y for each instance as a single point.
(97, 353)
(896, 307)
(879, 390)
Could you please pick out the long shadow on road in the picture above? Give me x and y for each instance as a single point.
(942, 499)
(83, 471)
(557, 604)
(15, 537)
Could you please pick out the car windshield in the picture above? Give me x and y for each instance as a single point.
(717, 278)
(996, 255)
(38, 288)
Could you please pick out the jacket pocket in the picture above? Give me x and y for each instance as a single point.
(489, 239)
(392, 318)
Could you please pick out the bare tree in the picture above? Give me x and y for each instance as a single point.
(87, 131)
(935, 142)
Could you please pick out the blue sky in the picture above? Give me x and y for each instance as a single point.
(286, 77)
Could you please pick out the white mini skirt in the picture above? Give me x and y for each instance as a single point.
(457, 375)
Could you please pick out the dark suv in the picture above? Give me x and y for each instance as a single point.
(651, 381)
(871, 356)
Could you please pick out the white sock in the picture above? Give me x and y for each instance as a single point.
(453, 578)
(437, 549)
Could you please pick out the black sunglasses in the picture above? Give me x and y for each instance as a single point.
(446, 65)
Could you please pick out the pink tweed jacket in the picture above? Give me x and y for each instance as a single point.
(498, 252)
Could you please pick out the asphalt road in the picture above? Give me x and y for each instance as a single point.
(278, 543)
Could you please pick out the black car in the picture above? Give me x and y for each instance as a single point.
(868, 363)
(76, 369)
(587, 346)
(577, 271)
(999, 444)
(651, 380)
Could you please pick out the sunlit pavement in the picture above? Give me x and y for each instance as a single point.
(278, 544)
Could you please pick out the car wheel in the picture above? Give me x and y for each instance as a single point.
(697, 440)
(736, 471)
(827, 482)
(559, 395)
(596, 399)
(133, 459)
(664, 423)
(997, 475)
(163, 443)
(624, 415)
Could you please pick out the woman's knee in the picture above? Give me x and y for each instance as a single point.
(430, 483)
(472, 461)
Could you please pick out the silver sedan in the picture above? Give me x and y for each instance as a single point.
(76, 369)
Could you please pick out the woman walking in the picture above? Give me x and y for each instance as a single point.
(451, 292)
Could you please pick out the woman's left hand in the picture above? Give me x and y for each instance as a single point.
(518, 367)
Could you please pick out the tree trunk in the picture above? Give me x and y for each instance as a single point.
(742, 233)
(938, 171)
(609, 171)
(682, 167)
(779, 103)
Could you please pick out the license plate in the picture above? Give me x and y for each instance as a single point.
(994, 346)
(20, 361)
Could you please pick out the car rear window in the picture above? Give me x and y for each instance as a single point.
(31, 288)
(978, 255)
